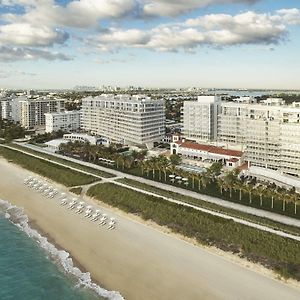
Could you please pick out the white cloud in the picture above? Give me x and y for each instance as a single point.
(290, 16)
(176, 7)
(13, 73)
(28, 35)
(12, 54)
(212, 30)
(81, 13)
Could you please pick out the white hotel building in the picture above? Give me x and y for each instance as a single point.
(125, 119)
(269, 132)
(200, 118)
(65, 121)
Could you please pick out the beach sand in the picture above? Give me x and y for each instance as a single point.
(139, 261)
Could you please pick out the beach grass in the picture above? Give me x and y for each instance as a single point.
(76, 190)
(212, 206)
(277, 253)
(50, 170)
(64, 161)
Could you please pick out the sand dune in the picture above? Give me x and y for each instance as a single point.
(139, 261)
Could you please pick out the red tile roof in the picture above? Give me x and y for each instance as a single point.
(233, 159)
(210, 149)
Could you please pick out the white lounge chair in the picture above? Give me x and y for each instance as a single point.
(64, 202)
(96, 215)
(88, 212)
(79, 209)
(103, 220)
(72, 204)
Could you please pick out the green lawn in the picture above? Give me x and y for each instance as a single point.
(63, 161)
(212, 206)
(52, 171)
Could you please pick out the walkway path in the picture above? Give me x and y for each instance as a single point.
(246, 209)
(167, 187)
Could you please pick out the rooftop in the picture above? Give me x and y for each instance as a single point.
(210, 149)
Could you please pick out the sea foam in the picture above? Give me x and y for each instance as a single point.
(17, 216)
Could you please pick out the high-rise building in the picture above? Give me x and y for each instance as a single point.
(32, 111)
(65, 121)
(125, 119)
(269, 132)
(6, 109)
(200, 118)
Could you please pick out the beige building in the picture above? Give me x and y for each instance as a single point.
(125, 119)
(33, 110)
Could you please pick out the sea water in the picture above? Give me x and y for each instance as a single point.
(33, 269)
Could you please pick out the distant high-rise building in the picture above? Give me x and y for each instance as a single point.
(32, 111)
(124, 118)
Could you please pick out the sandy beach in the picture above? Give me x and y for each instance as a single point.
(139, 261)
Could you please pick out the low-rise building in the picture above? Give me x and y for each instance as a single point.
(81, 137)
(65, 121)
(193, 150)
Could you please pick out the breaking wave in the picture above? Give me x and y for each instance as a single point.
(17, 216)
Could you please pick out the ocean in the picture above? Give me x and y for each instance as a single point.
(33, 269)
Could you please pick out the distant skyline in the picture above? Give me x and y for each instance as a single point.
(154, 43)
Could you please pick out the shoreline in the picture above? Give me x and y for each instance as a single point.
(154, 231)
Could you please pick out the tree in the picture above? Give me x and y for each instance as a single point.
(199, 178)
(129, 160)
(163, 164)
(260, 190)
(153, 163)
(238, 185)
(175, 159)
(121, 161)
(194, 177)
(215, 169)
(229, 180)
(221, 185)
(248, 189)
(295, 199)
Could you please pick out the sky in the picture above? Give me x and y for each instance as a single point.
(48, 44)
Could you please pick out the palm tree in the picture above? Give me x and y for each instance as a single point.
(129, 160)
(274, 194)
(260, 190)
(147, 167)
(238, 185)
(205, 180)
(94, 152)
(121, 161)
(153, 163)
(221, 184)
(248, 189)
(285, 200)
(194, 176)
(295, 199)
(164, 164)
(142, 166)
(172, 169)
